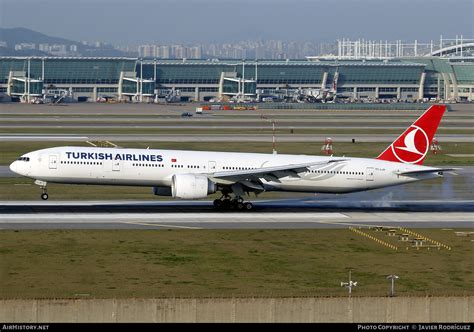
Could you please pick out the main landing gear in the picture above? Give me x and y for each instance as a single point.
(226, 203)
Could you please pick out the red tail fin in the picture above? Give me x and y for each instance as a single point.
(412, 146)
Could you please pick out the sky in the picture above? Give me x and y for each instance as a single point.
(135, 22)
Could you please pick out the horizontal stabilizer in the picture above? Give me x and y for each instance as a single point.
(426, 171)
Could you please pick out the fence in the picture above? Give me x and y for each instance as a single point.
(311, 309)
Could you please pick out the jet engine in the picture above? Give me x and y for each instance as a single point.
(191, 186)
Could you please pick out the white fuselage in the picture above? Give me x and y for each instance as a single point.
(151, 167)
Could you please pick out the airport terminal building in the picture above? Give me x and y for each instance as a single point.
(146, 80)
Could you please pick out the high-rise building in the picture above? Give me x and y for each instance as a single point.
(178, 51)
(146, 51)
(194, 52)
(164, 52)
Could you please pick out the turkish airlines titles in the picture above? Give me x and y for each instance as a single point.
(111, 156)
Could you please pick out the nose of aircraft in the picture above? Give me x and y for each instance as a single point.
(14, 167)
(18, 167)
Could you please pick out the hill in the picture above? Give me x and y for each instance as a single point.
(15, 36)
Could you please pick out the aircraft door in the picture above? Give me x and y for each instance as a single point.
(53, 161)
(212, 167)
(116, 165)
(370, 174)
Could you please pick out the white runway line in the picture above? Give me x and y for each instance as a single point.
(41, 137)
(187, 219)
(172, 217)
(397, 217)
(159, 225)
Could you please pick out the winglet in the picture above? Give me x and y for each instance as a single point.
(412, 146)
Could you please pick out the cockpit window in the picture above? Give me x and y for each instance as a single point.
(24, 159)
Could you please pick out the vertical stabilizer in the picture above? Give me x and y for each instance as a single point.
(413, 145)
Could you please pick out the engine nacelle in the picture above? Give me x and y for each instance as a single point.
(191, 186)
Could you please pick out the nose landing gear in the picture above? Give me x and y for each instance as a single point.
(44, 189)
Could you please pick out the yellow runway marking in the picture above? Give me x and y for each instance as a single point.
(373, 238)
(110, 143)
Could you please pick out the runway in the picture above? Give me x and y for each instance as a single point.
(6, 173)
(443, 203)
(219, 138)
(277, 214)
(234, 126)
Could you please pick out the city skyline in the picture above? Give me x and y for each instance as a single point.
(29, 42)
(248, 49)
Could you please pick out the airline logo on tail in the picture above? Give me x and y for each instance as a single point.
(413, 145)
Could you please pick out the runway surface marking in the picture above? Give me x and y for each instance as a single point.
(173, 217)
(159, 225)
(40, 137)
(296, 222)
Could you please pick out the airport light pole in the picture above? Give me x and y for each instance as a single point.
(243, 79)
(141, 80)
(28, 81)
(273, 133)
(392, 290)
(256, 71)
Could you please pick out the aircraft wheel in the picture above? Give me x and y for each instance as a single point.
(44, 196)
(226, 204)
(240, 206)
(248, 206)
(232, 205)
(217, 203)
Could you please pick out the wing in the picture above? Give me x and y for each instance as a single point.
(252, 178)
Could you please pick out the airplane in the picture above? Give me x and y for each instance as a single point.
(197, 174)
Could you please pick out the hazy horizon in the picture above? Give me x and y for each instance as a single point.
(206, 21)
